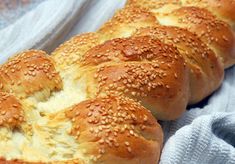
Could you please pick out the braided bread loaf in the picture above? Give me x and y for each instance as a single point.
(90, 101)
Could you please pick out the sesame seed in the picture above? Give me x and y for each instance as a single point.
(127, 143)
(129, 149)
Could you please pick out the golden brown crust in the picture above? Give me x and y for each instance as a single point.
(72, 50)
(215, 33)
(75, 161)
(149, 69)
(29, 72)
(110, 130)
(143, 68)
(4, 161)
(125, 22)
(116, 129)
(206, 71)
(223, 9)
(152, 4)
(11, 112)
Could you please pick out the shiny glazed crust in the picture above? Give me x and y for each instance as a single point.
(206, 71)
(145, 69)
(95, 98)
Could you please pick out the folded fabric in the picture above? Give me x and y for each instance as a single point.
(40, 28)
(204, 134)
(93, 15)
(208, 139)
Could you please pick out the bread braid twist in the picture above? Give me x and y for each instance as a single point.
(88, 101)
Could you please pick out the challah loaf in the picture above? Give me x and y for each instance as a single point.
(90, 101)
(100, 130)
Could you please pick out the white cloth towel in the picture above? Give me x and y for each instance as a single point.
(202, 135)
(41, 27)
(208, 139)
